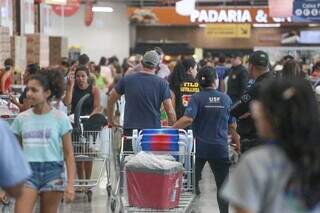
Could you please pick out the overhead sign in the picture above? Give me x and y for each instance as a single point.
(234, 16)
(307, 9)
(228, 30)
(202, 15)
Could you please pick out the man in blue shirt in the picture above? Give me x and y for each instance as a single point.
(208, 112)
(144, 93)
(14, 168)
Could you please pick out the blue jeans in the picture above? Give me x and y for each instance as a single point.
(47, 176)
(220, 169)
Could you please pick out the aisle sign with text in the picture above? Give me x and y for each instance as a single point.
(307, 9)
(228, 30)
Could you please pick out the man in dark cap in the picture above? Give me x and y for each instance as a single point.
(208, 112)
(238, 78)
(144, 93)
(258, 70)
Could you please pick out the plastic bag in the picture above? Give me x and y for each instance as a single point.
(101, 144)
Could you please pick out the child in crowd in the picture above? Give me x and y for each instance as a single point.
(45, 135)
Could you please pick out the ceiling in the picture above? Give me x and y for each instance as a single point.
(146, 3)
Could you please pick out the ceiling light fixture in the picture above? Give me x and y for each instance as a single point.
(266, 25)
(185, 7)
(102, 9)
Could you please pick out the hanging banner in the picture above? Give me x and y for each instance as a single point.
(88, 18)
(46, 19)
(306, 10)
(6, 14)
(27, 17)
(67, 10)
(284, 11)
(228, 30)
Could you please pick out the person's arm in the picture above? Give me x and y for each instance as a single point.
(70, 84)
(183, 122)
(173, 98)
(222, 86)
(235, 136)
(4, 77)
(241, 210)
(70, 163)
(168, 107)
(243, 81)
(96, 100)
(14, 191)
(113, 97)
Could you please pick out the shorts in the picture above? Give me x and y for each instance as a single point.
(47, 176)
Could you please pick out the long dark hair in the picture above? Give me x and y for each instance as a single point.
(180, 71)
(293, 112)
(50, 79)
(292, 68)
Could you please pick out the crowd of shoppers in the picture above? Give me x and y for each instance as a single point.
(271, 118)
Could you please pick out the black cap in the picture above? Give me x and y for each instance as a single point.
(236, 54)
(207, 76)
(259, 58)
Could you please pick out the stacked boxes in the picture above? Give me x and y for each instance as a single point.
(38, 49)
(5, 45)
(58, 49)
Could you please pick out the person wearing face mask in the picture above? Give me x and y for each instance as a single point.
(258, 70)
(183, 84)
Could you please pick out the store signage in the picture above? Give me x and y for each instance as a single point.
(228, 30)
(67, 10)
(307, 9)
(203, 15)
(233, 16)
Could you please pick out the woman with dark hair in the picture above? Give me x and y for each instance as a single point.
(76, 89)
(103, 61)
(45, 135)
(292, 68)
(183, 84)
(6, 78)
(284, 174)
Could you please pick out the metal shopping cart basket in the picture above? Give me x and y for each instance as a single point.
(174, 142)
(91, 140)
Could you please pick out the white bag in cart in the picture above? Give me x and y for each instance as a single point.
(102, 142)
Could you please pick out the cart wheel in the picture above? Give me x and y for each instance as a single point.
(109, 190)
(113, 205)
(89, 195)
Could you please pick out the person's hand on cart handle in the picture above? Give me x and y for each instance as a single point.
(112, 124)
(69, 194)
(236, 142)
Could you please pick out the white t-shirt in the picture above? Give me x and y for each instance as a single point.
(258, 183)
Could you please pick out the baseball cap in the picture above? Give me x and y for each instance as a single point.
(206, 76)
(259, 58)
(151, 58)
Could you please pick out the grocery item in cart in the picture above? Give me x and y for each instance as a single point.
(154, 181)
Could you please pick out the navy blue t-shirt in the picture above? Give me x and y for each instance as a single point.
(210, 111)
(144, 94)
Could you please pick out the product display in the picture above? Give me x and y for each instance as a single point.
(58, 48)
(5, 47)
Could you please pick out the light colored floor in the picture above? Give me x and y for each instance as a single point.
(205, 203)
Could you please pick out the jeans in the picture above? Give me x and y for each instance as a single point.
(47, 176)
(220, 169)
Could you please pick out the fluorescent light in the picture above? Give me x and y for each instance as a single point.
(103, 9)
(266, 25)
(314, 25)
(59, 2)
(202, 25)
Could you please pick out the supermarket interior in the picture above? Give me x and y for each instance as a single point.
(201, 106)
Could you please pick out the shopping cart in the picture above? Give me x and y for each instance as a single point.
(182, 148)
(91, 139)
